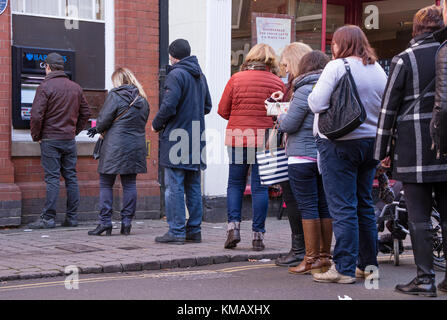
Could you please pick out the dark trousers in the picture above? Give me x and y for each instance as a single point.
(308, 190)
(293, 213)
(348, 169)
(419, 200)
(241, 161)
(60, 157)
(129, 184)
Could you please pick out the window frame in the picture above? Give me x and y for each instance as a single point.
(60, 8)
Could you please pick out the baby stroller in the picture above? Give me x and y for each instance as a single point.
(392, 213)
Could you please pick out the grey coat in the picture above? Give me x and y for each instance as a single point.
(124, 149)
(299, 120)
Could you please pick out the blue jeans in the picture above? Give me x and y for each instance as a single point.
(129, 184)
(60, 157)
(307, 187)
(237, 182)
(179, 183)
(348, 169)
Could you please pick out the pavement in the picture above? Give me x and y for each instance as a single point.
(32, 254)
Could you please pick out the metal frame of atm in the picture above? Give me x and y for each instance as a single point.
(17, 76)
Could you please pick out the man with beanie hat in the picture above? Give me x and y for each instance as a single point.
(59, 113)
(181, 118)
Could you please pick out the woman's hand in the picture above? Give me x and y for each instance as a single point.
(386, 163)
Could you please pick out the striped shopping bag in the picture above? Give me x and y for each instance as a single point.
(273, 166)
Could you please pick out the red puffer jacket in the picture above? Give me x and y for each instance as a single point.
(242, 104)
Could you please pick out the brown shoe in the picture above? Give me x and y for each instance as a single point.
(325, 244)
(233, 235)
(312, 235)
(258, 241)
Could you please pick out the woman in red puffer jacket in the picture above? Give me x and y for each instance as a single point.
(242, 104)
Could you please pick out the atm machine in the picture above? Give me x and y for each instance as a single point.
(28, 72)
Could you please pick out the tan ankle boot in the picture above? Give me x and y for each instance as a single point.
(312, 236)
(325, 244)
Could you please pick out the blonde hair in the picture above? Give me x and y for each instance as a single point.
(292, 55)
(123, 76)
(262, 53)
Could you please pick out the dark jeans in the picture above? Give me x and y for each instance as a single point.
(179, 183)
(419, 200)
(60, 157)
(307, 187)
(129, 184)
(293, 213)
(237, 181)
(348, 169)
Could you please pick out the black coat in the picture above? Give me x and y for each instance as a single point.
(181, 118)
(414, 161)
(124, 149)
(440, 110)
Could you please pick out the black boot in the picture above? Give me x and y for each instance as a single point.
(422, 242)
(296, 254)
(101, 229)
(125, 230)
(233, 235)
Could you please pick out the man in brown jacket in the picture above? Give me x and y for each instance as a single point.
(59, 113)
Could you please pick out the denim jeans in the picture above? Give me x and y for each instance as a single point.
(60, 157)
(129, 184)
(179, 183)
(241, 161)
(307, 187)
(348, 169)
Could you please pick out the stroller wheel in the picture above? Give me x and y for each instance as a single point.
(396, 249)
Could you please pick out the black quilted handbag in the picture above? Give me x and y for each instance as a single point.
(346, 112)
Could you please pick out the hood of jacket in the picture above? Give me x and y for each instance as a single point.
(56, 74)
(422, 38)
(190, 64)
(307, 78)
(128, 93)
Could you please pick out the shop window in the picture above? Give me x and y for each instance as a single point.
(78, 9)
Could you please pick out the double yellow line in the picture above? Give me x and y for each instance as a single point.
(141, 276)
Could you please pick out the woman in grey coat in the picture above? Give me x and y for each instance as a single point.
(122, 121)
(305, 180)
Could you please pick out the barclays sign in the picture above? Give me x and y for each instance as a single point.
(3, 5)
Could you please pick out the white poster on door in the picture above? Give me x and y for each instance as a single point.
(275, 32)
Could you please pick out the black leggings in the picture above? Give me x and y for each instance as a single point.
(292, 211)
(418, 197)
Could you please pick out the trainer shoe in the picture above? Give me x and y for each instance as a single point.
(170, 239)
(42, 224)
(332, 276)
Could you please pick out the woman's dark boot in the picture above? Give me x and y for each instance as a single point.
(125, 230)
(443, 285)
(233, 235)
(100, 229)
(325, 244)
(258, 241)
(422, 242)
(296, 254)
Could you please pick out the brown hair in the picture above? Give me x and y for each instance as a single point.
(292, 55)
(124, 76)
(427, 20)
(352, 41)
(315, 60)
(262, 53)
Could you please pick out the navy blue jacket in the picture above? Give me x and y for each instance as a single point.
(181, 118)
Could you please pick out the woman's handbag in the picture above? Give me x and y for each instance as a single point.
(273, 162)
(274, 106)
(346, 112)
(100, 142)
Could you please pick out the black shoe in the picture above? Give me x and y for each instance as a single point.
(69, 223)
(233, 238)
(170, 239)
(100, 229)
(194, 237)
(125, 230)
(421, 287)
(443, 285)
(42, 224)
(296, 254)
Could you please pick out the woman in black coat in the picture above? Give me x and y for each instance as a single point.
(122, 122)
(414, 161)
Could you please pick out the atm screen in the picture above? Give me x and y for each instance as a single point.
(29, 86)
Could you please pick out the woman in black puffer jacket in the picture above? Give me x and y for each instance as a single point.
(123, 121)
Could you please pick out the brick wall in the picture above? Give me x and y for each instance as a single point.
(22, 186)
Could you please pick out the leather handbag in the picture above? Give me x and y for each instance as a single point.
(100, 142)
(346, 111)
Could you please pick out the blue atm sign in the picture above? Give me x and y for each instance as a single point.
(3, 5)
(34, 59)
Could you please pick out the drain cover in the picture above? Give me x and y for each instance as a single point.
(129, 248)
(78, 248)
